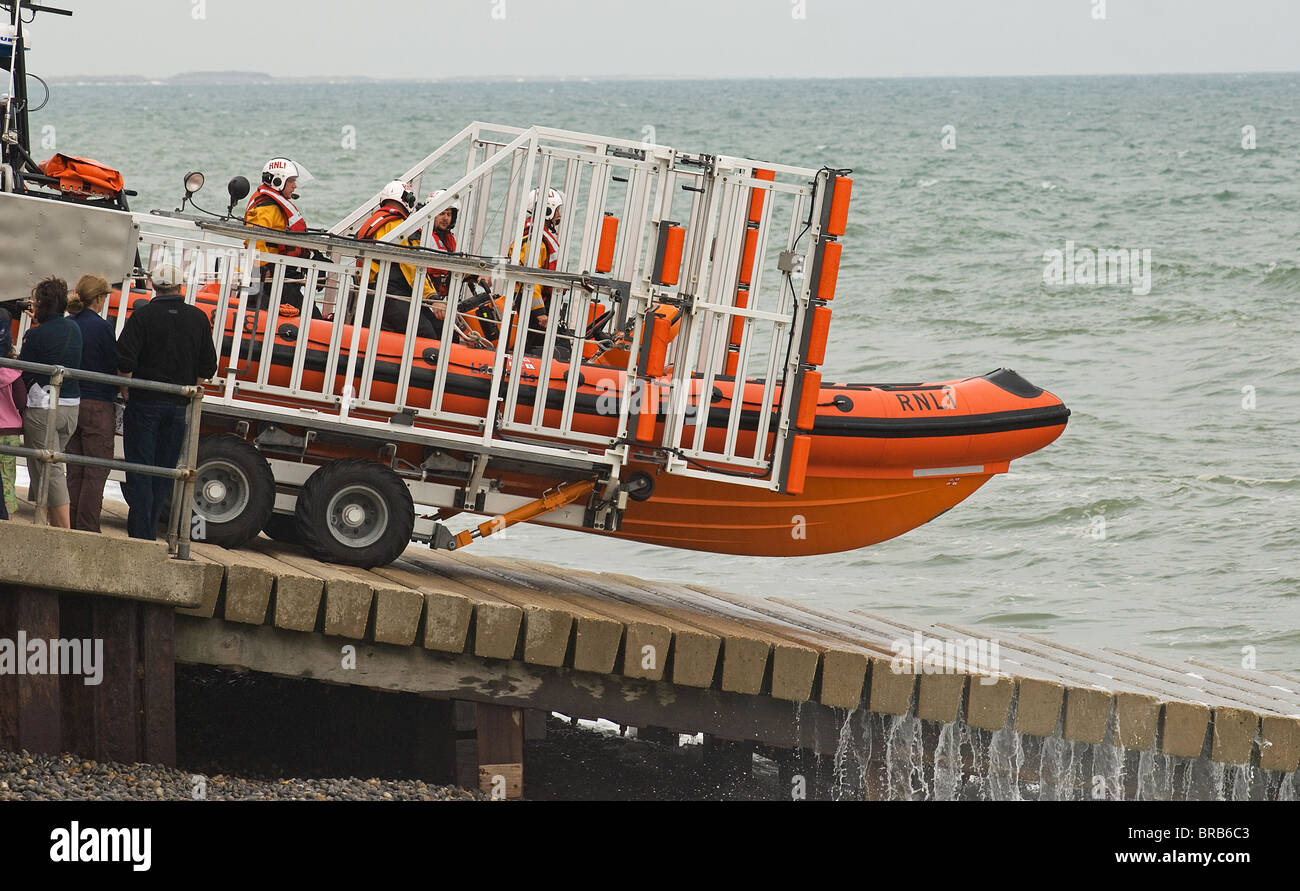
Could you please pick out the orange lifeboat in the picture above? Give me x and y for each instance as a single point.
(882, 458)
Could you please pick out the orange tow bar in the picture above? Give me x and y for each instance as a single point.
(551, 500)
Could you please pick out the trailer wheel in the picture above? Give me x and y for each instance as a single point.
(234, 493)
(283, 527)
(356, 512)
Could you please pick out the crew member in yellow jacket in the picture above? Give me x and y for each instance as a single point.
(397, 200)
(548, 255)
(272, 207)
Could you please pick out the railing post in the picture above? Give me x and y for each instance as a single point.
(51, 422)
(185, 487)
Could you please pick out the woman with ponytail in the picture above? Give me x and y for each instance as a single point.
(96, 418)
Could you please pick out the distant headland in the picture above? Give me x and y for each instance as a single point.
(200, 78)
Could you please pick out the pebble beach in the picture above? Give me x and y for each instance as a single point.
(27, 777)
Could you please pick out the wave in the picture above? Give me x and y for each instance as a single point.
(1273, 482)
(1079, 515)
(1016, 618)
(1282, 277)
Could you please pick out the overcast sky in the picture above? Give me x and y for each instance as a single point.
(735, 38)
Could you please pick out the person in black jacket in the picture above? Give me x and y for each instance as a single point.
(165, 340)
(55, 340)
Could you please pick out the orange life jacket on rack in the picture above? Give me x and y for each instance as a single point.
(293, 219)
(83, 176)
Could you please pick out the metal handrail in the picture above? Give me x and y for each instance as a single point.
(184, 474)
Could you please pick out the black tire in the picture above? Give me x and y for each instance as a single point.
(283, 527)
(355, 512)
(234, 493)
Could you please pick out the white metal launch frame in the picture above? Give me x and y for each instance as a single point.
(492, 169)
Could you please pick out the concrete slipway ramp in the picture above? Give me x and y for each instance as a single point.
(821, 691)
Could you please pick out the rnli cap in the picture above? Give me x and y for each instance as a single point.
(166, 275)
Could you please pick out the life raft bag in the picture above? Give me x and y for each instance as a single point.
(83, 176)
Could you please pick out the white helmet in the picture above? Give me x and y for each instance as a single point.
(554, 201)
(278, 171)
(400, 192)
(454, 206)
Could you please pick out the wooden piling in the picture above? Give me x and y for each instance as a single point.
(40, 724)
(123, 710)
(501, 750)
